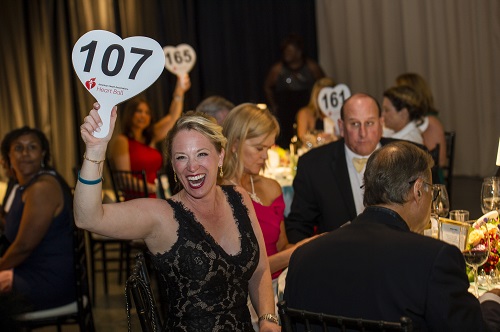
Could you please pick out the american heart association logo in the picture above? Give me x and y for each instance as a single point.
(90, 83)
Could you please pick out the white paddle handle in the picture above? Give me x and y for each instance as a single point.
(105, 114)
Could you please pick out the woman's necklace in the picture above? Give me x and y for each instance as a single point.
(252, 194)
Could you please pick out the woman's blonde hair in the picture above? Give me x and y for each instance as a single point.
(316, 89)
(200, 122)
(244, 122)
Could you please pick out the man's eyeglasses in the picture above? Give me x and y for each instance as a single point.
(436, 191)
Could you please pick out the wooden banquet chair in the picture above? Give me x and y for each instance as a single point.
(450, 157)
(447, 169)
(291, 319)
(78, 312)
(435, 169)
(163, 185)
(139, 286)
(126, 185)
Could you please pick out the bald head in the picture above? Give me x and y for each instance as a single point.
(361, 123)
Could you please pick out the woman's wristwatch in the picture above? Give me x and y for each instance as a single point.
(269, 317)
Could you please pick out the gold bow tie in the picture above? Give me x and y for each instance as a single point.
(359, 163)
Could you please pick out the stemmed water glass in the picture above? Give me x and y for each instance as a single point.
(490, 194)
(440, 202)
(477, 250)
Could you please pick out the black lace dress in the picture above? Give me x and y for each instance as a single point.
(206, 289)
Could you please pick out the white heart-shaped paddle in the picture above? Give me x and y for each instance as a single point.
(330, 101)
(179, 59)
(114, 69)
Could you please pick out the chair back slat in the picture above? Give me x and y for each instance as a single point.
(86, 320)
(163, 185)
(139, 286)
(83, 315)
(128, 185)
(450, 157)
(292, 318)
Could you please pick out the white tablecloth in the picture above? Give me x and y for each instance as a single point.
(284, 177)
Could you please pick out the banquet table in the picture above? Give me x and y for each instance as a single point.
(284, 176)
(483, 288)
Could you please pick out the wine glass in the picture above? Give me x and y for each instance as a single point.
(490, 194)
(440, 200)
(477, 250)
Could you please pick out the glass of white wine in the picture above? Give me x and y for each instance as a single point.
(490, 194)
(440, 200)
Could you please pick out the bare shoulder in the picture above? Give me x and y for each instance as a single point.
(315, 68)
(305, 113)
(270, 183)
(302, 113)
(46, 188)
(268, 189)
(434, 132)
(435, 123)
(45, 182)
(119, 140)
(274, 72)
(118, 143)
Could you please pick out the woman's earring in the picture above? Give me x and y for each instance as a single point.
(42, 164)
(175, 177)
(221, 173)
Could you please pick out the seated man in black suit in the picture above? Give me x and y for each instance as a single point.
(326, 187)
(379, 268)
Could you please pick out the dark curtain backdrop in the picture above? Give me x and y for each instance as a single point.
(236, 42)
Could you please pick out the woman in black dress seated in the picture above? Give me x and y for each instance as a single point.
(205, 241)
(38, 264)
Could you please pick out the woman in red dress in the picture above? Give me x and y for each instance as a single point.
(134, 149)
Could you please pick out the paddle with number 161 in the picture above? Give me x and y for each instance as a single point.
(114, 69)
(330, 101)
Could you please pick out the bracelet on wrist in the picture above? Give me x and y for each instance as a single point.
(92, 161)
(270, 318)
(88, 182)
(178, 97)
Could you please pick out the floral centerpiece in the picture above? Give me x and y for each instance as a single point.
(477, 236)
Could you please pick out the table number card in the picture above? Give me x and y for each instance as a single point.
(179, 59)
(114, 69)
(453, 232)
(330, 101)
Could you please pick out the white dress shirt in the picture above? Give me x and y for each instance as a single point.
(410, 132)
(356, 178)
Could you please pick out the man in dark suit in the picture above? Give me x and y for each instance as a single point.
(379, 268)
(327, 185)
